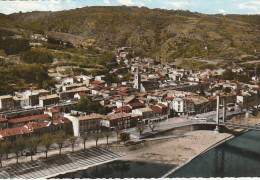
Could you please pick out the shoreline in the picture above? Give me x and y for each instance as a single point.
(178, 166)
(78, 169)
(189, 146)
(208, 149)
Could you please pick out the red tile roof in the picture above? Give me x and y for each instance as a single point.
(117, 116)
(123, 94)
(169, 98)
(189, 101)
(96, 88)
(137, 105)
(106, 88)
(14, 131)
(2, 119)
(64, 119)
(124, 108)
(155, 108)
(91, 116)
(97, 82)
(29, 118)
(162, 105)
(52, 110)
(35, 126)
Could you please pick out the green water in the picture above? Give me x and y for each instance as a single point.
(240, 157)
(122, 169)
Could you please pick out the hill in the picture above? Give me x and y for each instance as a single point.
(166, 34)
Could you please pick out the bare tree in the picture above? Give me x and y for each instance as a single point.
(153, 125)
(84, 138)
(47, 141)
(31, 144)
(72, 142)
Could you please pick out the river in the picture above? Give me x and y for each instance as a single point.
(239, 157)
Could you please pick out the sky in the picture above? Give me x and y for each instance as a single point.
(202, 6)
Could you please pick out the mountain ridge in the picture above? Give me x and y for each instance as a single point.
(165, 34)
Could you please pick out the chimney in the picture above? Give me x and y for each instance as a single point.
(21, 131)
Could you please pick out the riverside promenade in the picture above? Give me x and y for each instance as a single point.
(53, 166)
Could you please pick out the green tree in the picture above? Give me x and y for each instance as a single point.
(226, 90)
(47, 141)
(89, 106)
(107, 134)
(124, 137)
(228, 75)
(31, 144)
(96, 137)
(140, 127)
(72, 142)
(7, 147)
(21, 144)
(2, 52)
(59, 140)
(36, 56)
(84, 138)
(3, 150)
(16, 148)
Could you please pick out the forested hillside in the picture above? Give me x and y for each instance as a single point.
(166, 34)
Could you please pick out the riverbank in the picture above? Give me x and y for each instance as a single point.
(176, 151)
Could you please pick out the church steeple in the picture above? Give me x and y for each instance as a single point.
(137, 77)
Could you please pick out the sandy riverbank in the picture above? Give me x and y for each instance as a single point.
(177, 150)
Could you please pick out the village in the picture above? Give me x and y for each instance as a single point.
(155, 93)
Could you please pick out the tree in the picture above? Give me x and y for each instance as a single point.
(153, 125)
(124, 137)
(117, 132)
(21, 145)
(16, 148)
(31, 144)
(84, 138)
(140, 127)
(89, 106)
(226, 90)
(59, 140)
(3, 150)
(228, 75)
(96, 137)
(107, 134)
(7, 148)
(72, 142)
(2, 52)
(47, 141)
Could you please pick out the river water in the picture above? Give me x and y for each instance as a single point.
(239, 157)
(122, 169)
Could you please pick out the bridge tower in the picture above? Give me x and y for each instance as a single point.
(224, 109)
(217, 116)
